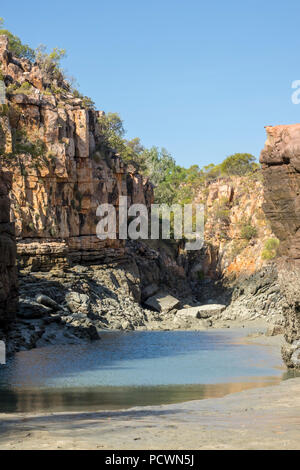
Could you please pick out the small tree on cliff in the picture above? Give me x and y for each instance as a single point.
(131, 151)
(238, 164)
(49, 62)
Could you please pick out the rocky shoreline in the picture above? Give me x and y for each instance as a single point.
(77, 303)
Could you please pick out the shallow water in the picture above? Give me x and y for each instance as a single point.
(135, 368)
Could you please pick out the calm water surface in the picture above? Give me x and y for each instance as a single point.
(133, 369)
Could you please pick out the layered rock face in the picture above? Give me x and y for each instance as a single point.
(280, 160)
(62, 169)
(8, 270)
(236, 227)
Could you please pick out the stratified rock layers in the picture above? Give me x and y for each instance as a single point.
(62, 169)
(280, 160)
(8, 270)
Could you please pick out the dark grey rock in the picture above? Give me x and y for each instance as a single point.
(30, 309)
(47, 301)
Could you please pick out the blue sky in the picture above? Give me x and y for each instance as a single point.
(199, 78)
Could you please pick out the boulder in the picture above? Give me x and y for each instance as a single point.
(191, 312)
(162, 302)
(203, 311)
(78, 303)
(206, 311)
(81, 326)
(47, 301)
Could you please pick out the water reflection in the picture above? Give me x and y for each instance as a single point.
(104, 398)
(135, 369)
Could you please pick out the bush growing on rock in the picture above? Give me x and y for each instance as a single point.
(50, 63)
(272, 244)
(270, 249)
(87, 102)
(25, 88)
(22, 144)
(248, 231)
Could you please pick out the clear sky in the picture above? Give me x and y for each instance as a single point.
(201, 78)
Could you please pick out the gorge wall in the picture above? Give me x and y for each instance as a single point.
(236, 228)
(239, 252)
(280, 161)
(62, 168)
(8, 270)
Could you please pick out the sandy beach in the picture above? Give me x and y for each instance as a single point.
(262, 418)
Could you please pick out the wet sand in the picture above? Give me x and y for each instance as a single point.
(261, 418)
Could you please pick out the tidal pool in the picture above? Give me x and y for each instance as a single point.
(126, 369)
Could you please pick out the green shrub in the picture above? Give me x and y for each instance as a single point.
(50, 62)
(57, 90)
(248, 231)
(22, 144)
(25, 88)
(270, 249)
(87, 102)
(272, 244)
(267, 255)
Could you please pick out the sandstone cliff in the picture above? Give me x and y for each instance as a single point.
(62, 168)
(236, 228)
(8, 269)
(280, 160)
(237, 251)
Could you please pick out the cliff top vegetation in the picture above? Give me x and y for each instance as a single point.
(174, 183)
